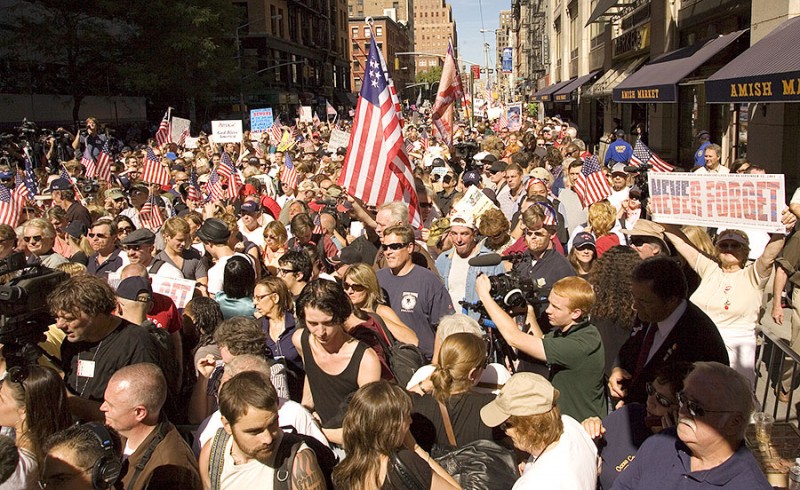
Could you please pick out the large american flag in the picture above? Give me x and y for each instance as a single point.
(163, 135)
(450, 91)
(643, 154)
(153, 170)
(104, 163)
(10, 208)
(376, 168)
(228, 169)
(150, 215)
(591, 185)
(289, 173)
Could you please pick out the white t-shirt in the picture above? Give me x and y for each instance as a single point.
(570, 464)
(256, 236)
(216, 274)
(166, 270)
(457, 280)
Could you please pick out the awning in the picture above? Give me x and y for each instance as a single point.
(657, 81)
(769, 71)
(546, 94)
(601, 10)
(564, 94)
(610, 79)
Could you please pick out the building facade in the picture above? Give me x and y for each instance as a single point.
(390, 37)
(434, 26)
(529, 40)
(293, 52)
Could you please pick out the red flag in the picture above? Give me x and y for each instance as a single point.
(450, 91)
(591, 185)
(164, 129)
(153, 171)
(376, 168)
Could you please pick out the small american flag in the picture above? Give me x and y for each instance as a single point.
(591, 185)
(163, 135)
(289, 173)
(150, 214)
(193, 193)
(104, 163)
(643, 154)
(275, 132)
(424, 139)
(30, 177)
(503, 122)
(214, 187)
(88, 162)
(10, 209)
(329, 109)
(228, 169)
(153, 171)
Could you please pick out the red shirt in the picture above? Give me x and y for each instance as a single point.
(165, 314)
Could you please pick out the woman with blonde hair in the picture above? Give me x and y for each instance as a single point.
(602, 223)
(361, 285)
(275, 245)
(377, 441)
(462, 359)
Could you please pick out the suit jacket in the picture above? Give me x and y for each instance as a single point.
(694, 338)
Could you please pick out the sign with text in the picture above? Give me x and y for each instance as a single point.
(226, 131)
(507, 57)
(180, 290)
(306, 114)
(474, 204)
(260, 120)
(730, 200)
(339, 139)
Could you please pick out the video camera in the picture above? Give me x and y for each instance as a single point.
(465, 151)
(24, 316)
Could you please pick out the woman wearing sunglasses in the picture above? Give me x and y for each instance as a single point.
(619, 435)
(731, 290)
(33, 401)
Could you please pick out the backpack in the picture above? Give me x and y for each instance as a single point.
(287, 451)
(404, 359)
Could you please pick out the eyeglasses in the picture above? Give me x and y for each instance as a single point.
(286, 271)
(101, 236)
(694, 408)
(124, 229)
(396, 246)
(260, 297)
(359, 288)
(661, 399)
(35, 238)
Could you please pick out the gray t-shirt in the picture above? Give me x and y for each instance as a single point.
(420, 300)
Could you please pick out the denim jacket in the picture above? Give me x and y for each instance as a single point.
(445, 261)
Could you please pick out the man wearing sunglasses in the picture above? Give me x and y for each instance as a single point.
(139, 246)
(706, 449)
(106, 257)
(40, 237)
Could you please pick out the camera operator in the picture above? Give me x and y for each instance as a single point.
(90, 139)
(573, 349)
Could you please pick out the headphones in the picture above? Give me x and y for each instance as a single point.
(106, 470)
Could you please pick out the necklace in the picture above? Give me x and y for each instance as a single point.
(726, 289)
(88, 379)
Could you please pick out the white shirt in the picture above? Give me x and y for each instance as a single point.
(665, 327)
(617, 197)
(257, 235)
(166, 270)
(457, 279)
(216, 274)
(721, 169)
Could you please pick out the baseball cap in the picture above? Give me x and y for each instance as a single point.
(250, 207)
(132, 287)
(460, 219)
(583, 238)
(498, 166)
(471, 177)
(60, 185)
(702, 133)
(114, 194)
(732, 236)
(523, 394)
(542, 173)
(618, 168)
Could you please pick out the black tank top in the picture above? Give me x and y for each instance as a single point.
(331, 392)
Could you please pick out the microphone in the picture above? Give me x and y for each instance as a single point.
(491, 259)
(638, 168)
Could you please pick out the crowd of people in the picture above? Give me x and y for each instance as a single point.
(324, 342)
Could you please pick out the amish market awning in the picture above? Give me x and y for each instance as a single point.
(546, 94)
(564, 94)
(768, 71)
(656, 82)
(610, 79)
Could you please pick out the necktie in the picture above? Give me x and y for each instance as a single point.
(647, 344)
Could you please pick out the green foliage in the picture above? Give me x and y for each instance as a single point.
(432, 75)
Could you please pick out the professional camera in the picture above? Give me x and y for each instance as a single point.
(24, 316)
(515, 292)
(88, 187)
(465, 151)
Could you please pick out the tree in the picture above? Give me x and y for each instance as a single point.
(432, 75)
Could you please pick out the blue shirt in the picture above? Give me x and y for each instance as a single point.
(284, 348)
(700, 155)
(664, 462)
(619, 151)
(625, 432)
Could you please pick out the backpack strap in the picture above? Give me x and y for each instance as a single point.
(156, 266)
(217, 458)
(287, 451)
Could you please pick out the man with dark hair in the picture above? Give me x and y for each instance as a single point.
(157, 455)
(252, 445)
(619, 150)
(704, 138)
(64, 196)
(295, 269)
(668, 329)
(510, 196)
(139, 246)
(77, 447)
(97, 343)
(106, 257)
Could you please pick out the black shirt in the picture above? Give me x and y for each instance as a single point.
(464, 410)
(76, 212)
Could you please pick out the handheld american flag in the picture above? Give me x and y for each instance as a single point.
(30, 177)
(163, 135)
(376, 168)
(329, 109)
(193, 193)
(150, 214)
(89, 164)
(275, 130)
(450, 91)
(591, 185)
(214, 187)
(10, 208)
(104, 163)
(643, 154)
(289, 173)
(228, 169)
(153, 170)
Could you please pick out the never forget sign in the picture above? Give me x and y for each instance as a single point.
(731, 200)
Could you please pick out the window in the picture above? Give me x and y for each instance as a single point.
(354, 31)
(596, 29)
(357, 83)
(573, 36)
(367, 32)
(378, 31)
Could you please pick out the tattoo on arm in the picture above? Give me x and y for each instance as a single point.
(306, 474)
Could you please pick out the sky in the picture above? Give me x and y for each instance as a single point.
(467, 14)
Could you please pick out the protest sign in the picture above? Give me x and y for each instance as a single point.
(190, 143)
(226, 131)
(514, 115)
(180, 290)
(474, 204)
(179, 126)
(750, 201)
(260, 120)
(339, 139)
(306, 114)
(495, 113)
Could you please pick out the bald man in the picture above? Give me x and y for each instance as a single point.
(156, 454)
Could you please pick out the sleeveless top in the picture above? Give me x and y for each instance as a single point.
(330, 392)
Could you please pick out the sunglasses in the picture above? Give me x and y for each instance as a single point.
(101, 236)
(270, 237)
(426, 205)
(638, 241)
(359, 288)
(535, 233)
(661, 399)
(35, 238)
(726, 245)
(396, 246)
(694, 408)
